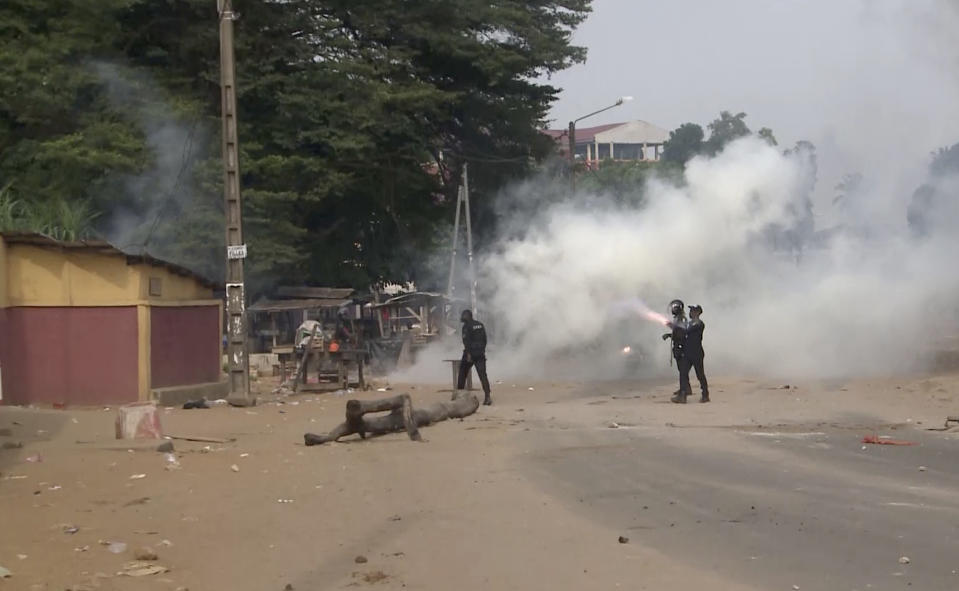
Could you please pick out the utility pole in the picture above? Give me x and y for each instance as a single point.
(572, 157)
(463, 203)
(238, 360)
(469, 239)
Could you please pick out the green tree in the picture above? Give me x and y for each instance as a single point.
(726, 128)
(766, 135)
(684, 142)
(936, 196)
(355, 119)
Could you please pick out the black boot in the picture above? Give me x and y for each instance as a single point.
(679, 398)
(705, 397)
(487, 401)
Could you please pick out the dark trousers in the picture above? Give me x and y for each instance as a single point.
(695, 363)
(683, 364)
(466, 365)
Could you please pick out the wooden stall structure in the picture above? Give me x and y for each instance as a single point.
(274, 319)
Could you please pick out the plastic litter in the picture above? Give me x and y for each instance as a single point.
(4, 573)
(138, 476)
(117, 547)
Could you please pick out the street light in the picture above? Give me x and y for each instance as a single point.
(572, 138)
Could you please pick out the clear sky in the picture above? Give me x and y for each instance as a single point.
(870, 82)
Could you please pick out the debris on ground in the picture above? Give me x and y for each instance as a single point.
(886, 441)
(35, 459)
(145, 553)
(138, 476)
(70, 529)
(201, 438)
(623, 540)
(12, 445)
(191, 404)
(904, 560)
(165, 447)
(4, 573)
(138, 420)
(172, 463)
(141, 569)
(235, 468)
(116, 547)
(922, 468)
(360, 560)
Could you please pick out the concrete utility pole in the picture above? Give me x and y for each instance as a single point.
(238, 360)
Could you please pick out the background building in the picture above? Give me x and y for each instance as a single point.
(83, 323)
(632, 140)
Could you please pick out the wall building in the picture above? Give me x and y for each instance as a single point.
(82, 323)
(632, 140)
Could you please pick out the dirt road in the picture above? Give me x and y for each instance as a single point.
(532, 493)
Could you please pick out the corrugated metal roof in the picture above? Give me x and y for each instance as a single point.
(628, 132)
(584, 135)
(631, 132)
(269, 305)
(104, 247)
(314, 292)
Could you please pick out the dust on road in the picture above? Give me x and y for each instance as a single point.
(531, 493)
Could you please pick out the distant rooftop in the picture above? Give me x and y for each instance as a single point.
(628, 132)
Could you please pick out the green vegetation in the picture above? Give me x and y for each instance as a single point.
(354, 121)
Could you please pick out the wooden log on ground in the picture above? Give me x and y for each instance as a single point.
(402, 416)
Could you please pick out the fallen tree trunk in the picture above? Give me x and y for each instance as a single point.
(402, 416)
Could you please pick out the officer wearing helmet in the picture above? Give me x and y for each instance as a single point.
(474, 353)
(679, 326)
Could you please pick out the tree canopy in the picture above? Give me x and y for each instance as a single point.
(355, 119)
(684, 142)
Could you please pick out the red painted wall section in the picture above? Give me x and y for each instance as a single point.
(75, 356)
(184, 345)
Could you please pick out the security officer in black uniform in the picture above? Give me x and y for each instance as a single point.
(694, 349)
(679, 325)
(474, 353)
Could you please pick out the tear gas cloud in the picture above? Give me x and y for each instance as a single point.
(792, 284)
(866, 297)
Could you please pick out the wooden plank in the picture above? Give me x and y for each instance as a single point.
(202, 438)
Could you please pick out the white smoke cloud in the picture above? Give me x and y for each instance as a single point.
(865, 302)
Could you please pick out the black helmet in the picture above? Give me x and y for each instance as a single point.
(676, 307)
(466, 315)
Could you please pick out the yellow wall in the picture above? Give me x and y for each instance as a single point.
(38, 276)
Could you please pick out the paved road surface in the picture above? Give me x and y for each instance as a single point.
(809, 507)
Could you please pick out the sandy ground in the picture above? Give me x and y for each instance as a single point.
(469, 508)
